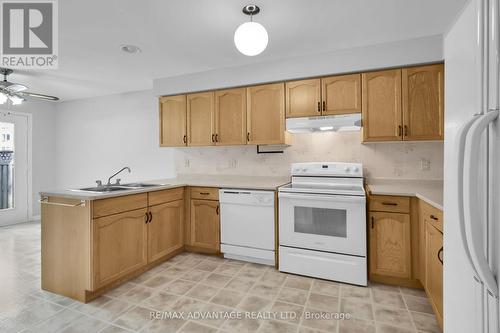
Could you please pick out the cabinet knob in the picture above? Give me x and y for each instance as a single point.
(248, 136)
(213, 137)
(434, 218)
(184, 138)
(324, 105)
(217, 210)
(319, 107)
(216, 137)
(406, 130)
(389, 204)
(440, 255)
(400, 130)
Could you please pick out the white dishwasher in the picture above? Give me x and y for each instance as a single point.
(247, 225)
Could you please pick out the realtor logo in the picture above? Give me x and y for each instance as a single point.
(29, 34)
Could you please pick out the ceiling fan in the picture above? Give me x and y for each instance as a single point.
(16, 93)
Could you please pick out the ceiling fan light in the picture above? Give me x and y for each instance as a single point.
(251, 38)
(3, 98)
(16, 100)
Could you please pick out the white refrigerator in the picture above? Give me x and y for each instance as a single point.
(472, 171)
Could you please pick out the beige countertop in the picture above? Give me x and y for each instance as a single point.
(430, 191)
(222, 181)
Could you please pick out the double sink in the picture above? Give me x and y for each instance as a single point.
(115, 188)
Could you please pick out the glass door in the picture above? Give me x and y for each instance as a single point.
(13, 168)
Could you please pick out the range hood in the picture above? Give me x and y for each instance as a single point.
(338, 123)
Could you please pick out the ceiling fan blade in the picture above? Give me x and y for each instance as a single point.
(14, 87)
(40, 96)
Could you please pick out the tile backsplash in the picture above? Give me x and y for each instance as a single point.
(405, 160)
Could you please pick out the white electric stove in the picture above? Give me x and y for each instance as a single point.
(322, 222)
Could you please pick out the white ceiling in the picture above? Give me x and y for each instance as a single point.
(186, 36)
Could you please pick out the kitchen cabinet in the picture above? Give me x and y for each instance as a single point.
(390, 244)
(204, 219)
(230, 117)
(173, 121)
(434, 269)
(332, 95)
(341, 94)
(119, 245)
(165, 229)
(381, 106)
(303, 98)
(266, 114)
(423, 102)
(200, 119)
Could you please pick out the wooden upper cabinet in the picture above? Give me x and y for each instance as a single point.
(201, 119)
(423, 102)
(173, 121)
(205, 225)
(303, 98)
(341, 94)
(381, 106)
(119, 245)
(231, 117)
(266, 114)
(165, 231)
(390, 247)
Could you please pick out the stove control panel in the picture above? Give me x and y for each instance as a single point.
(328, 169)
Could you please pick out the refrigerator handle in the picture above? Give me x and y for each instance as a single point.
(471, 205)
(461, 136)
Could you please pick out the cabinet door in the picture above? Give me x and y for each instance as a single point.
(390, 244)
(423, 102)
(303, 98)
(341, 94)
(165, 232)
(381, 106)
(231, 117)
(173, 121)
(266, 114)
(201, 119)
(205, 224)
(119, 245)
(434, 271)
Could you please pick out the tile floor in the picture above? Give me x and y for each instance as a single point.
(197, 284)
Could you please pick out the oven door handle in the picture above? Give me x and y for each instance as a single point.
(312, 196)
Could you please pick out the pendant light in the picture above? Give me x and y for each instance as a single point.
(251, 37)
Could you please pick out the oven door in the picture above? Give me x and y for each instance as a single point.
(332, 223)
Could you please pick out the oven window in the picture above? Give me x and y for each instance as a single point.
(320, 221)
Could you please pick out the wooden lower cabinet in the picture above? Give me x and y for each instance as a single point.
(434, 269)
(390, 244)
(119, 245)
(165, 231)
(205, 225)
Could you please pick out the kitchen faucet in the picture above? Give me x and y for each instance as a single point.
(99, 183)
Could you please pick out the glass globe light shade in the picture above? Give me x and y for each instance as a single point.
(251, 38)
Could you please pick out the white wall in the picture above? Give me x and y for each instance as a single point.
(380, 160)
(395, 54)
(98, 136)
(43, 146)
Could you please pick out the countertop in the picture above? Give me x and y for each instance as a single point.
(237, 182)
(430, 191)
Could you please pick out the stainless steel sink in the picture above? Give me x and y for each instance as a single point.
(140, 185)
(104, 189)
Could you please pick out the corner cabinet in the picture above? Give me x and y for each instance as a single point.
(266, 114)
(173, 121)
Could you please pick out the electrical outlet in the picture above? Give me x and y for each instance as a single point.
(425, 164)
(233, 163)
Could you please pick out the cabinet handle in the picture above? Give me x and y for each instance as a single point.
(213, 137)
(400, 130)
(216, 137)
(217, 210)
(319, 107)
(150, 217)
(185, 138)
(146, 218)
(248, 136)
(439, 255)
(389, 204)
(406, 130)
(434, 218)
(204, 193)
(324, 105)
(373, 222)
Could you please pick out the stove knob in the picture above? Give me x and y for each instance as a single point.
(347, 169)
(355, 169)
(304, 169)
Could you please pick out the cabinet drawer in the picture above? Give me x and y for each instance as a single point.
(164, 196)
(105, 207)
(388, 203)
(431, 214)
(207, 193)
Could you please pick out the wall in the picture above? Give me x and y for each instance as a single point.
(43, 146)
(400, 53)
(380, 160)
(98, 136)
